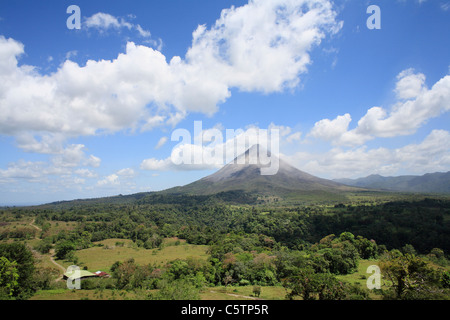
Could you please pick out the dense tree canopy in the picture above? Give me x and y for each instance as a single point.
(304, 248)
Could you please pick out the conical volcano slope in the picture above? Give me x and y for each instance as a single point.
(244, 173)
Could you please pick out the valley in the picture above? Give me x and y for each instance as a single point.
(235, 234)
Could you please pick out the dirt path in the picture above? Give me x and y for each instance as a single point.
(36, 227)
(52, 253)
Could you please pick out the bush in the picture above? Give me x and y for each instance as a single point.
(63, 249)
(43, 278)
(44, 246)
(176, 290)
(256, 291)
(244, 282)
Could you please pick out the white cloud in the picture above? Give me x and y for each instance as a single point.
(71, 54)
(93, 161)
(416, 106)
(296, 136)
(123, 178)
(331, 129)
(105, 21)
(63, 163)
(48, 144)
(143, 32)
(410, 85)
(157, 165)
(161, 142)
(111, 180)
(217, 147)
(262, 46)
(126, 173)
(21, 169)
(430, 155)
(83, 172)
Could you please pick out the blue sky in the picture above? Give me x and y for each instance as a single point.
(90, 112)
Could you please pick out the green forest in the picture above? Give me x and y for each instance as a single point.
(305, 250)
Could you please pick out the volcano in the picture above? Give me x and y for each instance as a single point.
(246, 173)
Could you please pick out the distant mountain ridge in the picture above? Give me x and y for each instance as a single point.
(438, 182)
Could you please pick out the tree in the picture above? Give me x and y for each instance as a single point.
(321, 286)
(410, 277)
(44, 246)
(367, 249)
(8, 277)
(341, 259)
(123, 273)
(23, 257)
(227, 279)
(64, 249)
(304, 285)
(44, 277)
(85, 240)
(256, 291)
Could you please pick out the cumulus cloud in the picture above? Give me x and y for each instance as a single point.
(430, 155)
(410, 85)
(104, 21)
(71, 161)
(262, 46)
(110, 180)
(331, 129)
(212, 148)
(416, 105)
(123, 178)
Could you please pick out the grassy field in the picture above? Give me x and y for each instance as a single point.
(360, 277)
(209, 293)
(66, 294)
(242, 293)
(112, 250)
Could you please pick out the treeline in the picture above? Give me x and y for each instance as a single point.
(423, 224)
(302, 248)
(23, 233)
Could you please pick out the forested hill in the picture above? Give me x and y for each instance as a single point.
(438, 182)
(424, 224)
(229, 197)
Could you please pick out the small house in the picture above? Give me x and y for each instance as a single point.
(102, 274)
